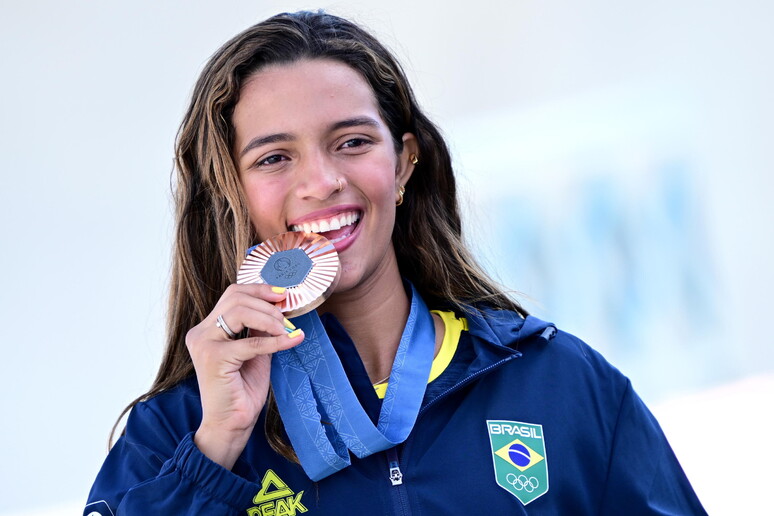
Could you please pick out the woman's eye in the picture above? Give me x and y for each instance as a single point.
(271, 160)
(354, 142)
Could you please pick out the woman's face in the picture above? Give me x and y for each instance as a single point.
(314, 154)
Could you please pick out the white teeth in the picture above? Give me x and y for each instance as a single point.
(323, 225)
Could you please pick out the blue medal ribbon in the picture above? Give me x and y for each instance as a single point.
(322, 415)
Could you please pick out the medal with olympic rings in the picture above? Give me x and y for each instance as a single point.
(306, 264)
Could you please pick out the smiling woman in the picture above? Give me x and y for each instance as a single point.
(306, 162)
(416, 380)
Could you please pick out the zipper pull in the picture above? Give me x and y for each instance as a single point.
(396, 477)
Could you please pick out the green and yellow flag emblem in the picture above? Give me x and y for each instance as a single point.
(519, 455)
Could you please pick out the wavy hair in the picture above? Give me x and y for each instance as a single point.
(212, 224)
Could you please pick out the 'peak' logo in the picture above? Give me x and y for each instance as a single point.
(275, 498)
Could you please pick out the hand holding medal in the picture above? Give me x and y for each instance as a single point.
(285, 276)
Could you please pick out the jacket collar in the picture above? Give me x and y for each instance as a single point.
(499, 333)
(507, 328)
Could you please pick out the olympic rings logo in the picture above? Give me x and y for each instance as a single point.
(521, 482)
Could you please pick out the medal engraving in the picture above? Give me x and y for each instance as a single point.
(306, 264)
(287, 268)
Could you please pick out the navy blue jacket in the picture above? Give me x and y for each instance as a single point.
(604, 452)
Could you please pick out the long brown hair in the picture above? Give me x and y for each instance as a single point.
(213, 228)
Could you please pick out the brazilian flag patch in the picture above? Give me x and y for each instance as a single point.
(519, 455)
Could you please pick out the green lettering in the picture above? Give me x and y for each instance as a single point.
(283, 509)
(295, 503)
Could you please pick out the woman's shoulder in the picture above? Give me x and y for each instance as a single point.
(169, 415)
(184, 393)
(543, 348)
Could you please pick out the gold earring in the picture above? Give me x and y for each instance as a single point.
(413, 158)
(401, 191)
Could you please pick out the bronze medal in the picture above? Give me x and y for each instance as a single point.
(306, 264)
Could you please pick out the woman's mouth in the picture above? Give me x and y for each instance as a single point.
(335, 228)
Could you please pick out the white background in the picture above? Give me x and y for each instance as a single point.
(615, 166)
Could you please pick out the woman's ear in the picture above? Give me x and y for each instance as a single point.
(407, 160)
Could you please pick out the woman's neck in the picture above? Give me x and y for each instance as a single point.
(374, 317)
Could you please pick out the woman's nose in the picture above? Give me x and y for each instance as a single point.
(318, 179)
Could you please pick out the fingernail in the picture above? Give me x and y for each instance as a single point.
(289, 325)
(278, 290)
(295, 333)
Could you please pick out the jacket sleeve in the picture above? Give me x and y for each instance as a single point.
(152, 470)
(644, 476)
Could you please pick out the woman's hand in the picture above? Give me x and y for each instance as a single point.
(233, 375)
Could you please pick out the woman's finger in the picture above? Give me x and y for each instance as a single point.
(251, 347)
(259, 291)
(240, 317)
(239, 305)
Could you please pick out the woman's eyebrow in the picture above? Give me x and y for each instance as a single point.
(354, 122)
(286, 137)
(263, 140)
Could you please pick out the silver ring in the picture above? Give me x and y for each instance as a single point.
(223, 326)
(341, 186)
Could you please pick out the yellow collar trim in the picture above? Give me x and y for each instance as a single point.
(451, 338)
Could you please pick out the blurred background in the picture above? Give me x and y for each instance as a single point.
(614, 163)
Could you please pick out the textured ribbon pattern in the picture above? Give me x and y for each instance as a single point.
(321, 413)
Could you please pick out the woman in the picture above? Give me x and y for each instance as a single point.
(304, 122)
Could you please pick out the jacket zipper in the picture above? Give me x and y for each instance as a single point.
(398, 493)
(464, 382)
